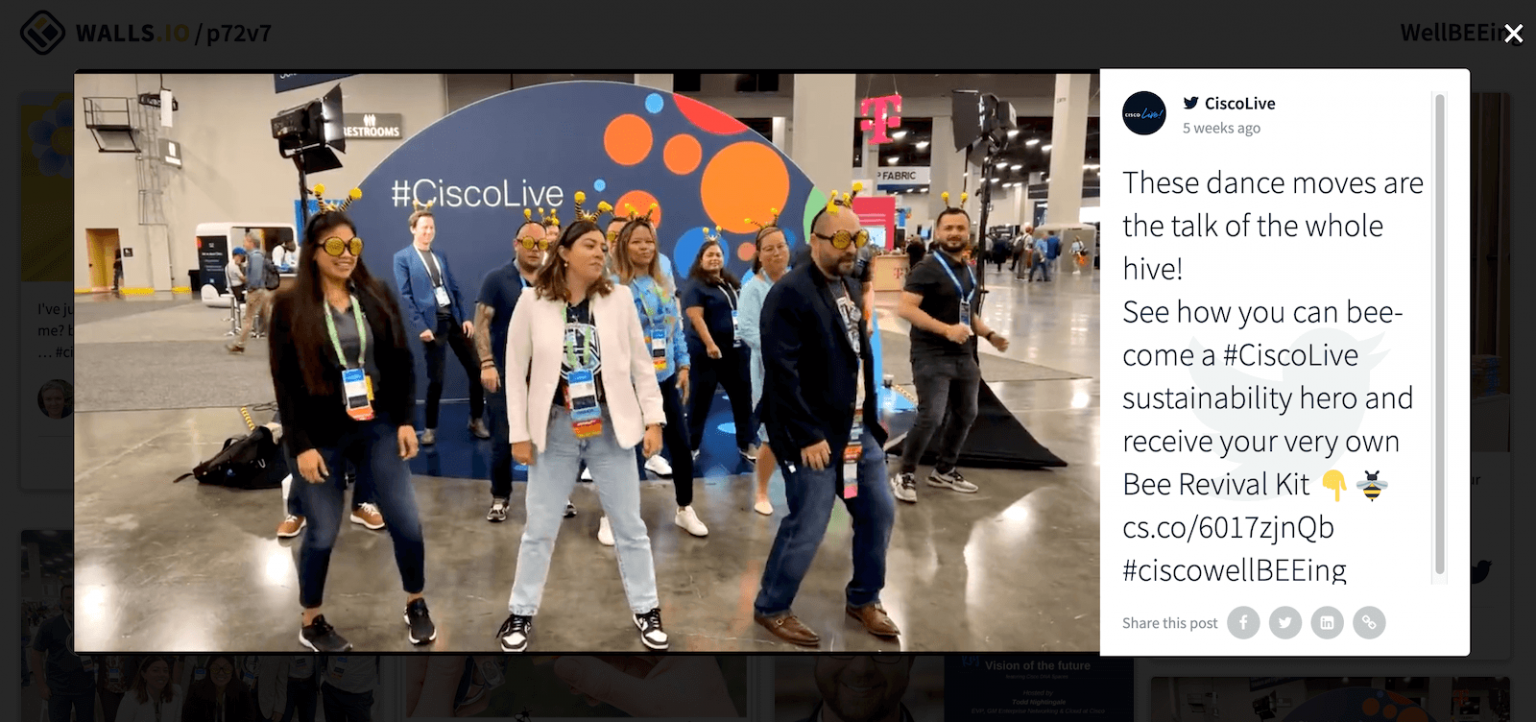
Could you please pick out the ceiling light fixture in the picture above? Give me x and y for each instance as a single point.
(1045, 148)
(898, 135)
(1015, 166)
(1032, 141)
(922, 144)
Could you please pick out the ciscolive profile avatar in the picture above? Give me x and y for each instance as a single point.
(1144, 113)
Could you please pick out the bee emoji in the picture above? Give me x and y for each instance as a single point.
(1371, 486)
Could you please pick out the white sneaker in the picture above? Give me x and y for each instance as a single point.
(952, 481)
(604, 532)
(904, 487)
(659, 466)
(688, 520)
(586, 474)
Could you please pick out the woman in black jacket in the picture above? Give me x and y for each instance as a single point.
(220, 697)
(345, 382)
(718, 356)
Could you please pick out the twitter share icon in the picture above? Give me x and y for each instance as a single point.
(1190, 102)
(1285, 622)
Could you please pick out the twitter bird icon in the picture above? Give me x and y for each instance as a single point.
(1190, 102)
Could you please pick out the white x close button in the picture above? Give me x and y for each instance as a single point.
(1514, 34)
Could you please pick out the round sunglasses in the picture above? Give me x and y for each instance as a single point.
(529, 242)
(841, 239)
(335, 246)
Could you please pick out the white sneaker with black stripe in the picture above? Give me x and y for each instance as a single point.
(514, 633)
(951, 480)
(904, 487)
(651, 633)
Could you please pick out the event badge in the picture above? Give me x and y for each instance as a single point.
(490, 671)
(301, 667)
(88, 663)
(114, 675)
(250, 679)
(659, 348)
(736, 328)
(851, 454)
(586, 415)
(199, 674)
(359, 394)
(442, 296)
(338, 667)
(965, 314)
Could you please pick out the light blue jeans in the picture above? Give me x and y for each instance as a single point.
(551, 479)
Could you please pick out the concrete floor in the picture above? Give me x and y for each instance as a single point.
(180, 568)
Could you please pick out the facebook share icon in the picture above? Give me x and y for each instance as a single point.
(1243, 623)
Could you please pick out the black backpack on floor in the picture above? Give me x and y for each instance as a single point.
(253, 461)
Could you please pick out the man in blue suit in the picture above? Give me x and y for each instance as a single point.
(430, 298)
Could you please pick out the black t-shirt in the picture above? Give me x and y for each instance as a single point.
(351, 343)
(581, 349)
(718, 302)
(941, 301)
(499, 292)
(66, 672)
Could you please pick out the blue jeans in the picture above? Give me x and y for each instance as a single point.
(1044, 267)
(810, 495)
(361, 494)
(551, 478)
(373, 448)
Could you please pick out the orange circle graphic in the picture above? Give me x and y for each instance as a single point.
(627, 139)
(743, 181)
(746, 251)
(1370, 706)
(682, 154)
(1413, 714)
(1389, 711)
(641, 201)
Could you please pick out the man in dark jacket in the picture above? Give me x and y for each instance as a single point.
(817, 352)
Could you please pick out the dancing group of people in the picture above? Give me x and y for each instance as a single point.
(589, 355)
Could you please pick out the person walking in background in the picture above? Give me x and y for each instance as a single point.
(1037, 261)
(582, 389)
(345, 384)
(499, 293)
(769, 265)
(258, 297)
(437, 313)
(638, 267)
(940, 300)
(286, 688)
(819, 364)
(1052, 254)
(712, 304)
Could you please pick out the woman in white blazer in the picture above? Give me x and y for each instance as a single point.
(153, 697)
(591, 395)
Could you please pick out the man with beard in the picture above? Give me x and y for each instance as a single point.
(941, 302)
(499, 293)
(862, 688)
(69, 680)
(817, 365)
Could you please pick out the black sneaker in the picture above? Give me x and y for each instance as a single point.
(416, 617)
(514, 633)
(570, 510)
(322, 637)
(651, 632)
(498, 512)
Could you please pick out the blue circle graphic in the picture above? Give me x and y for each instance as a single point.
(653, 103)
(599, 185)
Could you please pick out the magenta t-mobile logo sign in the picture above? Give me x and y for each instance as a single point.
(883, 107)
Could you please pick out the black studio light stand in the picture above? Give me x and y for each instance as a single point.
(307, 134)
(982, 122)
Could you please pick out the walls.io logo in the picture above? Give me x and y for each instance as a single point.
(43, 32)
(1144, 113)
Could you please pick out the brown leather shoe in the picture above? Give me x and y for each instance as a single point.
(789, 628)
(873, 618)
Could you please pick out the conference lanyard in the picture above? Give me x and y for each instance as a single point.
(965, 302)
(357, 388)
(362, 334)
(581, 382)
(658, 335)
(730, 299)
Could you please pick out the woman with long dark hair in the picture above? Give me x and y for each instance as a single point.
(590, 395)
(712, 303)
(220, 697)
(638, 266)
(346, 394)
(769, 265)
(152, 697)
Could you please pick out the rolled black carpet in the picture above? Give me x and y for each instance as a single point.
(997, 440)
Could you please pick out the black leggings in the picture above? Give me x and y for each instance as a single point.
(730, 371)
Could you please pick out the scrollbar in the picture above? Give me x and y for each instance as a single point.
(1438, 364)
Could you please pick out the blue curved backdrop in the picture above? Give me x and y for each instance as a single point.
(536, 147)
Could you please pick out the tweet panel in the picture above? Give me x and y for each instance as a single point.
(1285, 454)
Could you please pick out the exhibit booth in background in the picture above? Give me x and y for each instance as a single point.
(536, 147)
